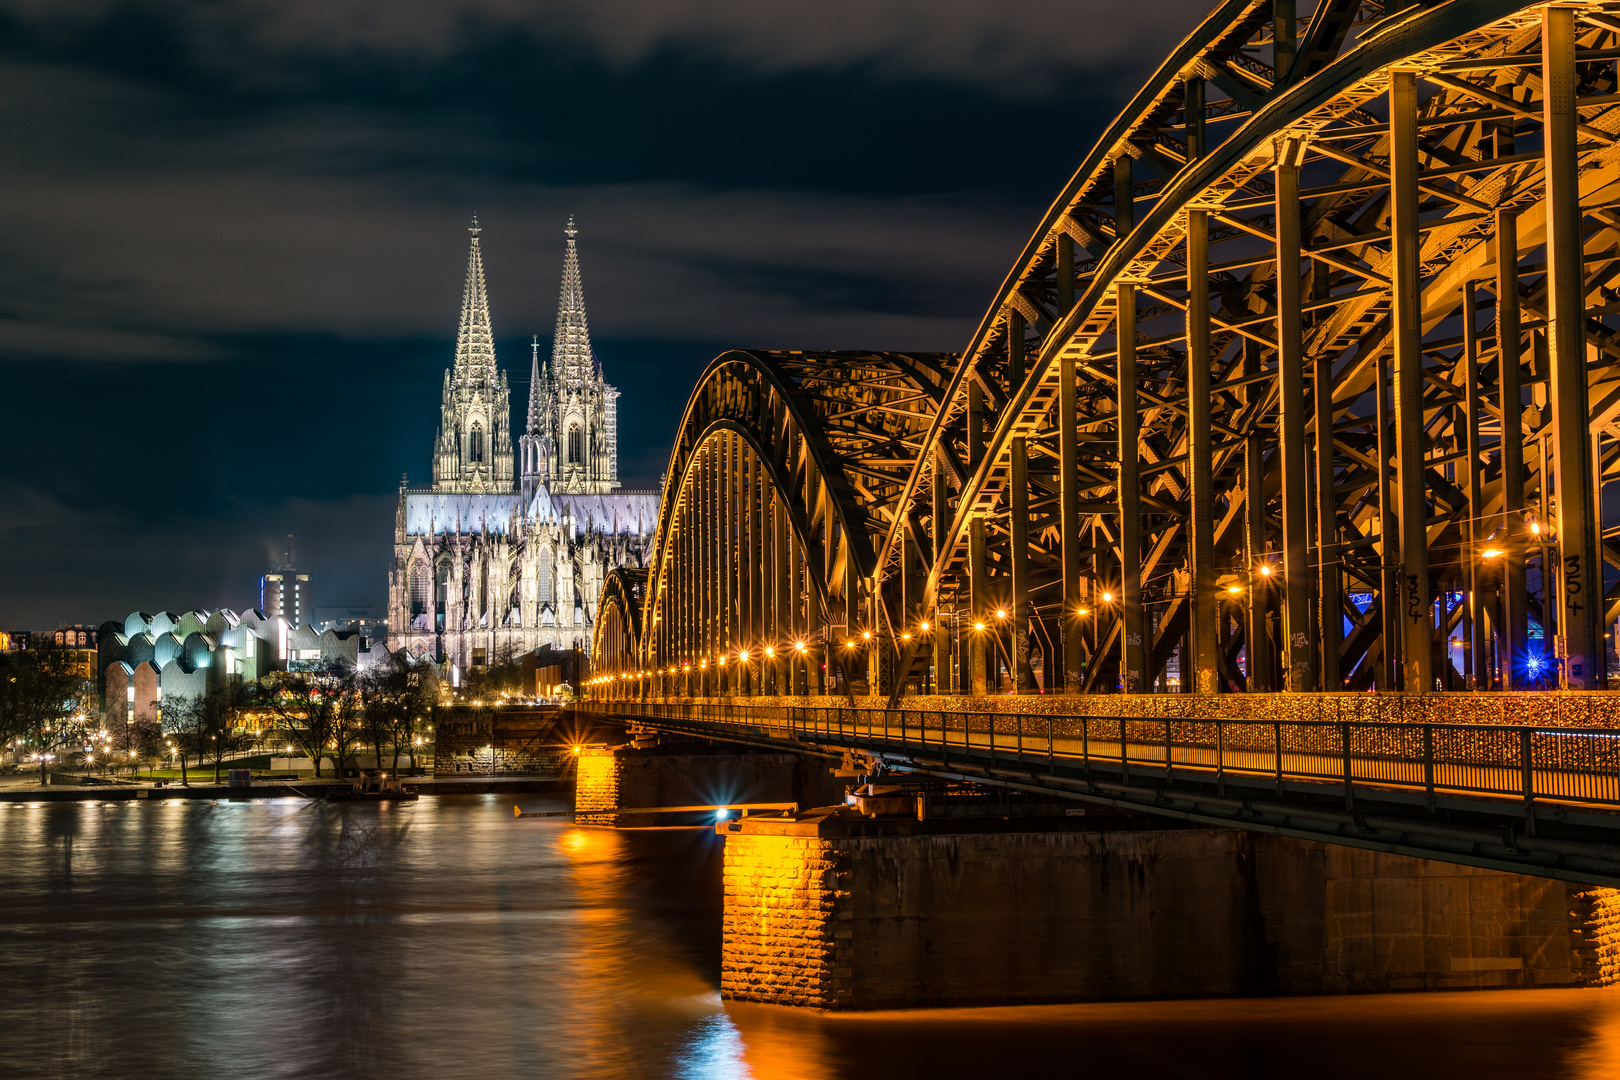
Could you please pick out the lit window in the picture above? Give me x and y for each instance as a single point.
(576, 446)
(475, 444)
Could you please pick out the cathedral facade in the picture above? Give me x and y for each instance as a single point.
(507, 550)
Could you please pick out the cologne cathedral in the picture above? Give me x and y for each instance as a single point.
(506, 552)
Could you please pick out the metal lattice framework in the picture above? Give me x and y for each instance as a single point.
(1307, 380)
(616, 637)
(786, 468)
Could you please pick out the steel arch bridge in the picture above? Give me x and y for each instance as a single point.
(1309, 379)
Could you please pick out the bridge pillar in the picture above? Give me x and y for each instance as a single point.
(832, 910)
(679, 772)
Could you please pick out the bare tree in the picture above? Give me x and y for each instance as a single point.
(320, 713)
(186, 727)
(398, 694)
(44, 702)
(223, 710)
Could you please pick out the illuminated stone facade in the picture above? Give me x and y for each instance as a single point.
(507, 551)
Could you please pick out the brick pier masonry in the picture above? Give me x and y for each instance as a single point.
(835, 911)
(680, 772)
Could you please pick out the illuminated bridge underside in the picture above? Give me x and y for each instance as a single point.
(1323, 330)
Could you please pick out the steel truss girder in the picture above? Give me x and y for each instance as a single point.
(784, 462)
(1333, 124)
(1390, 340)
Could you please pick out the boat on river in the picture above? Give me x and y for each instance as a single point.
(373, 791)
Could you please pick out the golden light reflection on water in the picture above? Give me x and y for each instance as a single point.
(1563, 1034)
(444, 940)
(620, 975)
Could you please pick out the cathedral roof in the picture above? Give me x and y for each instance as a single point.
(435, 513)
(615, 512)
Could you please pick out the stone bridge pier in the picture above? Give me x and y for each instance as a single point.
(834, 909)
(665, 771)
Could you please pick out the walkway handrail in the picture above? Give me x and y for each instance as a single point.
(1566, 765)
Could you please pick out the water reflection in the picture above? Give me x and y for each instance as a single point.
(445, 939)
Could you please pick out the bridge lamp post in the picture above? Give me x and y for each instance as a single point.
(1006, 650)
(981, 627)
(1503, 660)
(1245, 599)
(798, 647)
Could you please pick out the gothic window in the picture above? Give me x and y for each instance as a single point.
(443, 590)
(421, 588)
(576, 445)
(475, 444)
(546, 570)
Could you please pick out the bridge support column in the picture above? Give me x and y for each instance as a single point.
(835, 911)
(1071, 624)
(1416, 605)
(1018, 533)
(1297, 580)
(1200, 464)
(979, 630)
(1134, 642)
(679, 772)
(1515, 619)
(1580, 573)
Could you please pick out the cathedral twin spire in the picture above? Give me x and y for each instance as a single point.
(475, 341)
(571, 357)
(569, 444)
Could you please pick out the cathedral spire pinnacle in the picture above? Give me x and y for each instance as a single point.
(533, 426)
(571, 346)
(475, 342)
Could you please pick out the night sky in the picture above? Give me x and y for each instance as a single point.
(233, 235)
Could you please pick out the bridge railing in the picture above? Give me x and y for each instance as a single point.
(1563, 765)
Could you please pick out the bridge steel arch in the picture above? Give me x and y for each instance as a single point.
(616, 637)
(785, 470)
(1307, 380)
(1313, 209)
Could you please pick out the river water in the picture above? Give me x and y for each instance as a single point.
(444, 938)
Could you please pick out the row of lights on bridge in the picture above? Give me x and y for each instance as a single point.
(1537, 529)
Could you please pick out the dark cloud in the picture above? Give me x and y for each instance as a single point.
(232, 248)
